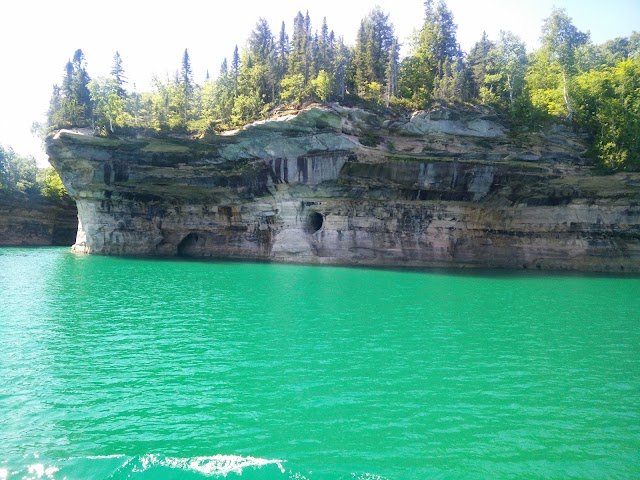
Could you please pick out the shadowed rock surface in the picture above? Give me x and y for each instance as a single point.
(446, 188)
(36, 221)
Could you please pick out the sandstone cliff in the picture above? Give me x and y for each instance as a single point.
(334, 185)
(36, 221)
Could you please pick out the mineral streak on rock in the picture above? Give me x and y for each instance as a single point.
(446, 188)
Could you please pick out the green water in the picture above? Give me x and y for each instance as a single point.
(124, 368)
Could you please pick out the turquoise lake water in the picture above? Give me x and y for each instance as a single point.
(145, 369)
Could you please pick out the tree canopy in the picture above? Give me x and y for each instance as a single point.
(593, 88)
(21, 175)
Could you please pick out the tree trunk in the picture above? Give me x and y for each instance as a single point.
(565, 93)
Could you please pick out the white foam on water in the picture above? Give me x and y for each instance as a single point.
(368, 476)
(4, 473)
(220, 465)
(40, 471)
(102, 457)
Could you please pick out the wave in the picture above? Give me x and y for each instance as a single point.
(218, 465)
(115, 467)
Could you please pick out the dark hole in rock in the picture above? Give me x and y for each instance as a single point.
(314, 222)
(189, 245)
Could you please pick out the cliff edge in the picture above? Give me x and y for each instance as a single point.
(337, 185)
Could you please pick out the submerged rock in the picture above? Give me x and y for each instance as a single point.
(303, 188)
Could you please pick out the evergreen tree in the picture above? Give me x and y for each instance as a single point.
(341, 68)
(308, 49)
(477, 61)
(117, 72)
(372, 53)
(316, 56)
(301, 54)
(263, 55)
(67, 80)
(55, 118)
(224, 95)
(80, 90)
(434, 47)
(324, 47)
(73, 103)
(392, 71)
(187, 86)
(235, 69)
(282, 52)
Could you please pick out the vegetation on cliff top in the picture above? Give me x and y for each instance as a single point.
(594, 88)
(21, 176)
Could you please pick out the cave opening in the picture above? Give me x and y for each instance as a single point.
(314, 223)
(189, 245)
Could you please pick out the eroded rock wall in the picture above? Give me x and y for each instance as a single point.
(440, 189)
(36, 221)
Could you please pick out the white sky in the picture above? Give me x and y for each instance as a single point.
(37, 37)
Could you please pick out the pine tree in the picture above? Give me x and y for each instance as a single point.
(434, 47)
(263, 55)
(308, 49)
(392, 72)
(186, 84)
(117, 72)
(298, 52)
(341, 68)
(76, 105)
(324, 47)
(316, 57)
(80, 89)
(235, 69)
(282, 54)
(371, 53)
(477, 61)
(55, 113)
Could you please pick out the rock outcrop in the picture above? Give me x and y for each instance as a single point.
(36, 221)
(333, 185)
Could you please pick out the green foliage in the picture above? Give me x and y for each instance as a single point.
(322, 86)
(117, 73)
(544, 84)
(477, 64)
(293, 88)
(51, 185)
(505, 71)
(594, 88)
(434, 50)
(20, 174)
(561, 41)
(609, 108)
(108, 105)
(370, 139)
(373, 52)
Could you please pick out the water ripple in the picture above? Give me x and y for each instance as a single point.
(346, 374)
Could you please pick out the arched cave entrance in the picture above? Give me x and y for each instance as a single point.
(190, 245)
(314, 222)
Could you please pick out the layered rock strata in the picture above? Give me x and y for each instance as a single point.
(36, 221)
(333, 185)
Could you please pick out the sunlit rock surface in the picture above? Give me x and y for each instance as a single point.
(337, 185)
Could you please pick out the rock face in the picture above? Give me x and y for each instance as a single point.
(36, 221)
(440, 189)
